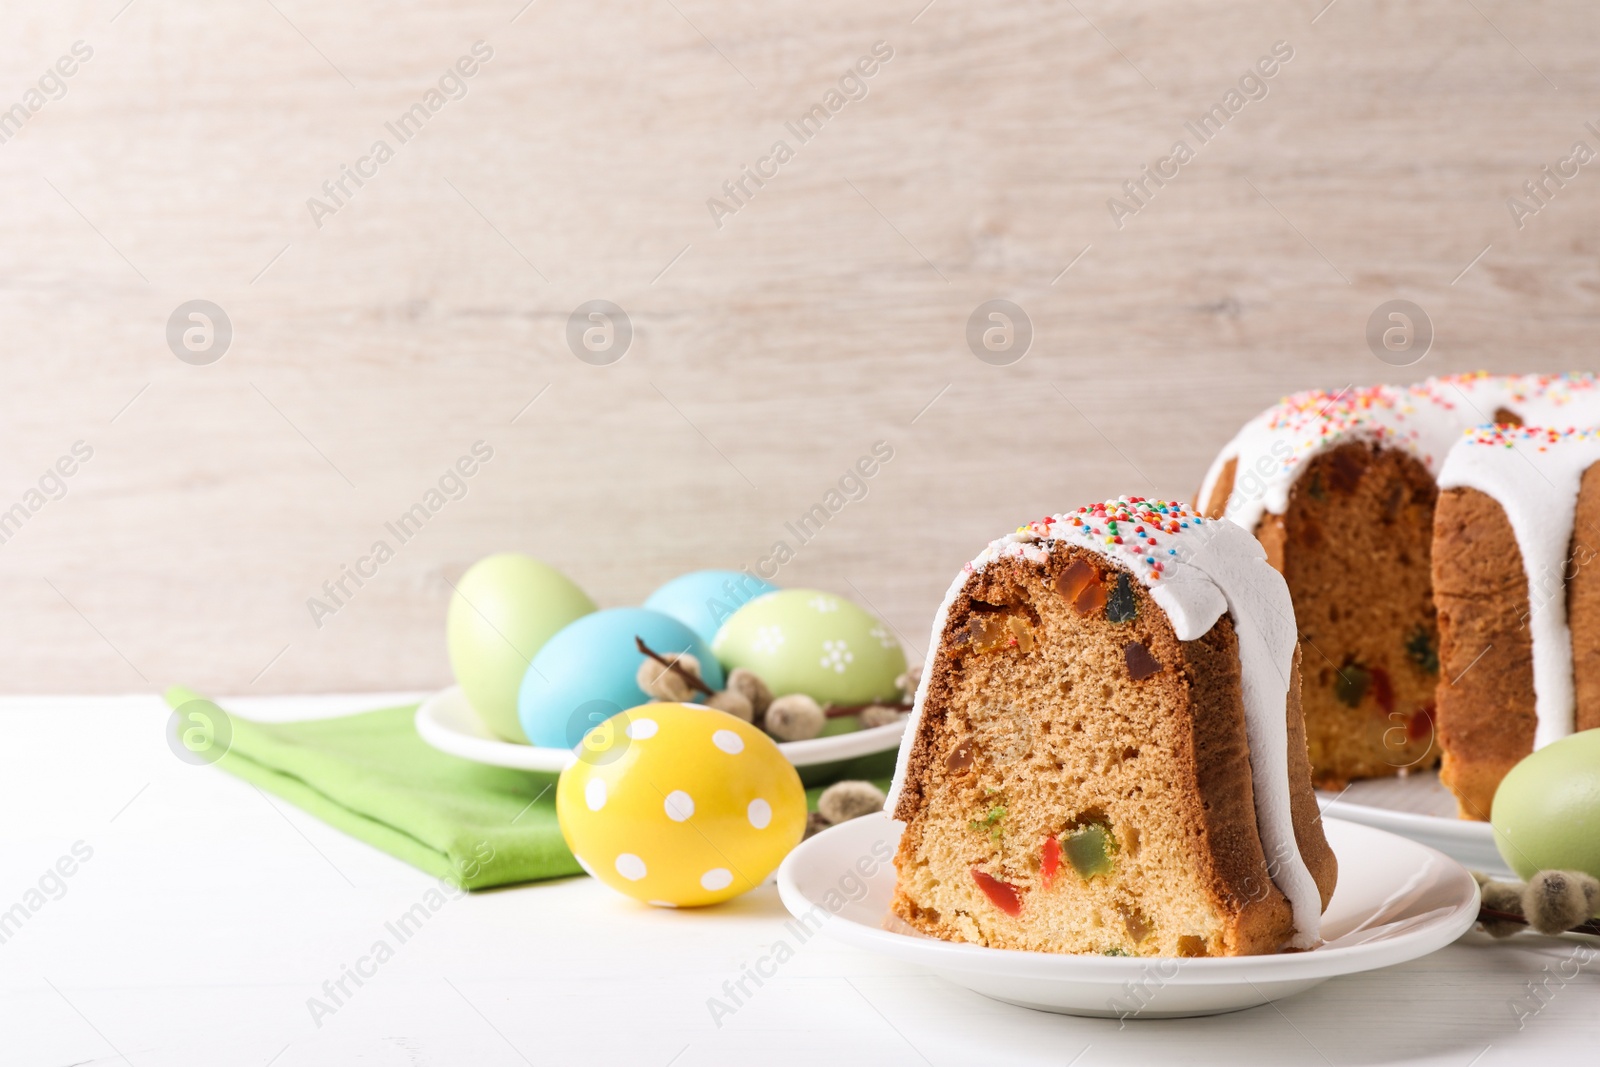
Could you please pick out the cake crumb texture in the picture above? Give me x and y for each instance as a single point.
(1080, 778)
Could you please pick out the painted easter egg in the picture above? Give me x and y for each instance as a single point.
(806, 641)
(502, 612)
(586, 673)
(678, 805)
(704, 600)
(1546, 812)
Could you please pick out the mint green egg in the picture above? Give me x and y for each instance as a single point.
(1547, 810)
(502, 612)
(808, 641)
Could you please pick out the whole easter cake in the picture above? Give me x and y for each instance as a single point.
(1432, 537)
(1106, 752)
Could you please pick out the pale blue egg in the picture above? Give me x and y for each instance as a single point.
(585, 673)
(704, 600)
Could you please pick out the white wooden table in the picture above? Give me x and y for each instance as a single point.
(208, 914)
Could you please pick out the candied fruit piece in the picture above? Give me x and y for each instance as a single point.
(1350, 684)
(1074, 579)
(1121, 605)
(1507, 417)
(1089, 849)
(1091, 600)
(1382, 689)
(1134, 921)
(1081, 587)
(1021, 632)
(1050, 860)
(991, 822)
(1002, 895)
(1191, 946)
(987, 633)
(959, 760)
(1141, 663)
(1422, 651)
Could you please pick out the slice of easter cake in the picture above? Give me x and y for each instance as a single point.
(1107, 753)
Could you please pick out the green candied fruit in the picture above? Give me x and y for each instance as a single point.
(991, 822)
(1089, 849)
(1120, 603)
(1116, 951)
(1419, 646)
(1350, 685)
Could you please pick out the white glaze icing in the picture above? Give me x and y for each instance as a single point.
(1534, 474)
(1195, 570)
(1425, 419)
(1536, 488)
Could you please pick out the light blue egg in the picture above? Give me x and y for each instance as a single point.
(704, 600)
(585, 673)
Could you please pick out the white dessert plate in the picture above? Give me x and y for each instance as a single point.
(450, 724)
(1396, 900)
(1419, 807)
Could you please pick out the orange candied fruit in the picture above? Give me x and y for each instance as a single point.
(1080, 585)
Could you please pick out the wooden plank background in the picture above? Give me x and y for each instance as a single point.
(769, 353)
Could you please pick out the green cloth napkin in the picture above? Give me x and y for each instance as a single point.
(370, 775)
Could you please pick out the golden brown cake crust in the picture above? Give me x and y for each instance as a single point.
(1306, 812)
(1224, 801)
(1486, 710)
(1217, 505)
(1063, 728)
(1583, 602)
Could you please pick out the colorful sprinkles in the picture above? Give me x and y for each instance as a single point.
(1318, 417)
(1541, 437)
(1426, 420)
(1136, 524)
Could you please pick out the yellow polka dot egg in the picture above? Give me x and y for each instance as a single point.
(679, 805)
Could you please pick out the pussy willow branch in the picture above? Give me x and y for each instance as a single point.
(1492, 915)
(839, 711)
(833, 711)
(694, 679)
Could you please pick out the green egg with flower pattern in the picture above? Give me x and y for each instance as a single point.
(812, 642)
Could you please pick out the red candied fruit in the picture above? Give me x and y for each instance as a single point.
(1002, 895)
(1051, 860)
(1382, 689)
